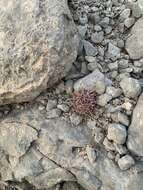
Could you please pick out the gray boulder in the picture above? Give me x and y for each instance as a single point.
(134, 44)
(135, 132)
(38, 43)
(123, 180)
(40, 171)
(52, 175)
(33, 146)
(55, 156)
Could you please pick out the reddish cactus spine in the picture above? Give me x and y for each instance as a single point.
(84, 102)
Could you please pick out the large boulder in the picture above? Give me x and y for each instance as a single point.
(54, 152)
(30, 145)
(135, 132)
(38, 43)
(134, 44)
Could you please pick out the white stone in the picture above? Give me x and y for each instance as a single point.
(117, 133)
(126, 162)
(131, 87)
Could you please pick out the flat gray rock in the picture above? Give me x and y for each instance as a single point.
(54, 156)
(90, 82)
(40, 172)
(38, 43)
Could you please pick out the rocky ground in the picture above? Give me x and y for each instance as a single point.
(45, 143)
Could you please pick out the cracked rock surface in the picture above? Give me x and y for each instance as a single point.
(50, 158)
(71, 95)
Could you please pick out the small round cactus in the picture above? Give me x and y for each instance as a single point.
(84, 102)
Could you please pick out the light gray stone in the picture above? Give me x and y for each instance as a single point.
(100, 87)
(111, 155)
(16, 137)
(5, 167)
(131, 87)
(120, 43)
(119, 117)
(121, 76)
(125, 14)
(113, 66)
(91, 124)
(58, 137)
(105, 22)
(140, 2)
(91, 154)
(113, 51)
(55, 157)
(123, 64)
(134, 44)
(126, 162)
(136, 10)
(114, 92)
(51, 176)
(97, 28)
(129, 22)
(54, 113)
(124, 180)
(99, 136)
(75, 119)
(90, 59)
(90, 50)
(29, 165)
(87, 180)
(52, 103)
(83, 19)
(108, 145)
(122, 150)
(95, 18)
(97, 37)
(40, 172)
(89, 81)
(56, 140)
(35, 48)
(63, 107)
(117, 133)
(135, 133)
(92, 66)
(104, 99)
(69, 86)
(82, 30)
(139, 63)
